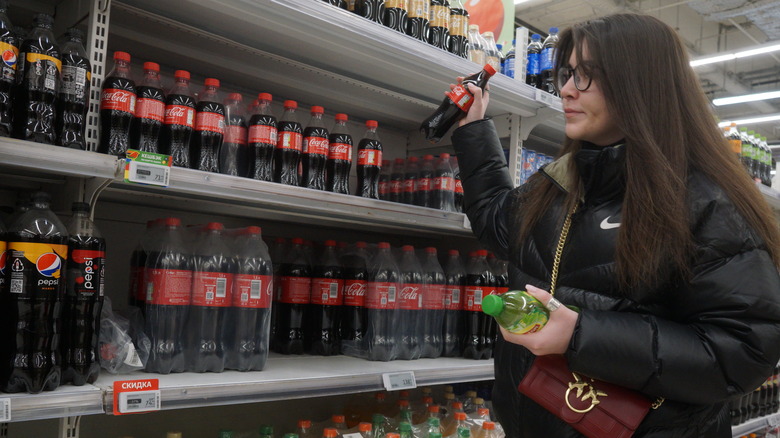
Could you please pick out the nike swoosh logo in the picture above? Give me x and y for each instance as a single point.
(606, 225)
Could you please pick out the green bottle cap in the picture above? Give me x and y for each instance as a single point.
(434, 422)
(266, 429)
(291, 435)
(225, 434)
(493, 305)
(404, 426)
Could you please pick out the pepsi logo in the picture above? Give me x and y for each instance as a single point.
(9, 58)
(3, 259)
(48, 264)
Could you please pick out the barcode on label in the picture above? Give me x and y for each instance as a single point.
(254, 289)
(221, 287)
(455, 296)
(334, 290)
(391, 294)
(478, 298)
(5, 410)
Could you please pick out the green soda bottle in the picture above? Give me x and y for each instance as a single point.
(516, 311)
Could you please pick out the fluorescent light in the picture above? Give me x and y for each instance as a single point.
(752, 51)
(746, 98)
(752, 120)
(713, 60)
(759, 51)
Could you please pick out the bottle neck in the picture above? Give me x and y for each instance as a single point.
(121, 70)
(182, 86)
(152, 79)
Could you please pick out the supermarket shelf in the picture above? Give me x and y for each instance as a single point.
(65, 401)
(755, 425)
(771, 195)
(291, 377)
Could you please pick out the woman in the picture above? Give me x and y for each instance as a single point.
(672, 253)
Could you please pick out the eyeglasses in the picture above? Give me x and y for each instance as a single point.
(582, 77)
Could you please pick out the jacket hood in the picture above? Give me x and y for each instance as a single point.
(601, 172)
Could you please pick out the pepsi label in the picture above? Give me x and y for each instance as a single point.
(36, 268)
(86, 276)
(10, 54)
(3, 258)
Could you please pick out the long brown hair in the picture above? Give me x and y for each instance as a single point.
(655, 99)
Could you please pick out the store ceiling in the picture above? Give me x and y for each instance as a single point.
(707, 28)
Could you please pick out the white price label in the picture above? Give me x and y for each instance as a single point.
(397, 381)
(466, 222)
(140, 401)
(544, 97)
(352, 435)
(146, 173)
(5, 410)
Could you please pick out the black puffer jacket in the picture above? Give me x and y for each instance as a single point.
(696, 344)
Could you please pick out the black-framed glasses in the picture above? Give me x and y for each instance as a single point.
(582, 77)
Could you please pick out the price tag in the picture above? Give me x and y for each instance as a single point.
(544, 97)
(352, 435)
(5, 410)
(147, 168)
(397, 381)
(466, 222)
(136, 396)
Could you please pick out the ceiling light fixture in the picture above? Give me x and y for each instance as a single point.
(746, 98)
(760, 49)
(752, 120)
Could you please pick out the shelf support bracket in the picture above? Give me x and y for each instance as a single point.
(529, 123)
(69, 427)
(3, 430)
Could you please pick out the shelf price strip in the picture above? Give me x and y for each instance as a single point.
(398, 381)
(136, 396)
(147, 168)
(5, 410)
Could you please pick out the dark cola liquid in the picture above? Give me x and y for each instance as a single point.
(432, 335)
(410, 321)
(396, 190)
(339, 162)
(410, 182)
(418, 20)
(438, 33)
(353, 312)
(479, 331)
(382, 323)
(315, 157)
(177, 128)
(322, 320)
(234, 152)
(374, 10)
(262, 142)
(459, 41)
(368, 170)
(208, 136)
(340, 3)
(117, 110)
(424, 194)
(149, 115)
(455, 282)
(8, 67)
(396, 15)
(73, 101)
(37, 85)
(286, 159)
(289, 324)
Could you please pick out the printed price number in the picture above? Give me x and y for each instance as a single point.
(398, 381)
(141, 401)
(5, 410)
(146, 173)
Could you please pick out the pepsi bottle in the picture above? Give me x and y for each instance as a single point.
(315, 151)
(353, 311)
(384, 280)
(453, 294)
(149, 111)
(292, 297)
(339, 156)
(234, 153)
(179, 120)
(73, 100)
(410, 299)
(209, 129)
(434, 284)
(287, 154)
(9, 49)
(478, 330)
(547, 62)
(262, 139)
(327, 295)
(117, 107)
(83, 299)
(533, 65)
(369, 162)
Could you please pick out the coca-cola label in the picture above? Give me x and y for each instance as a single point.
(440, 16)
(235, 134)
(290, 140)
(355, 292)
(409, 185)
(117, 100)
(396, 186)
(381, 295)
(150, 109)
(419, 9)
(459, 25)
(369, 157)
(458, 186)
(453, 297)
(327, 291)
(295, 290)
(461, 97)
(208, 121)
(340, 151)
(263, 134)
(180, 115)
(502, 290)
(444, 183)
(252, 291)
(424, 184)
(212, 289)
(410, 297)
(433, 297)
(315, 146)
(383, 186)
(168, 287)
(472, 300)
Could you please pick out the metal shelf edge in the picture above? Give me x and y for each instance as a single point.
(65, 401)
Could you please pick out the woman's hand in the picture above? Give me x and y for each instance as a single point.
(478, 108)
(554, 337)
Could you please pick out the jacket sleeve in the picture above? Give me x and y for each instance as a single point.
(720, 335)
(487, 185)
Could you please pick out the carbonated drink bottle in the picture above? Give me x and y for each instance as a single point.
(9, 49)
(478, 328)
(278, 255)
(287, 154)
(456, 283)
(179, 120)
(454, 106)
(423, 194)
(369, 162)
(339, 156)
(83, 298)
(209, 129)
(137, 291)
(340, 3)
(73, 100)
(3, 266)
(443, 193)
(547, 62)
(37, 252)
(458, 197)
(492, 52)
(37, 84)
(434, 284)
(396, 14)
(384, 180)
(476, 45)
(410, 314)
(459, 29)
(509, 61)
(439, 33)
(353, 313)
(262, 139)
(315, 151)
(517, 311)
(384, 279)
(501, 272)
(293, 296)
(234, 153)
(117, 107)
(374, 10)
(149, 111)
(533, 66)
(249, 318)
(396, 192)
(411, 172)
(419, 19)
(213, 274)
(327, 296)
(168, 277)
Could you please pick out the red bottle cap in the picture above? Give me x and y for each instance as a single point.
(211, 226)
(364, 427)
(297, 241)
(392, 435)
(457, 406)
(121, 56)
(403, 403)
(338, 419)
(460, 416)
(181, 74)
(280, 240)
(253, 230)
(427, 400)
(434, 409)
(444, 156)
(399, 161)
(211, 82)
(317, 110)
(330, 432)
(482, 253)
(383, 245)
(430, 250)
(454, 252)
(489, 425)
(483, 412)
(427, 157)
(381, 395)
(153, 66)
(413, 159)
(407, 248)
(304, 423)
(330, 243)
(265, 96)
(172, 222)
(489, 69)
(372, 124)
(404, 394)
(361, 245)
(235, 96)
(290, 104)
(341, 117)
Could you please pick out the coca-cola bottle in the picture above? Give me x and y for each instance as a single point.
(149, 111)
(369, 162)
(179, 120)
(411, 172)
(459, 29)
(83, 298)
(384, 280)
(315, 151)
(234, 153)
(438, 33)
(443, 193)
(262, 138)
(137, 290)
(249, 320)
(374, 10)
(418, 20)
(424, 192)
(410, 305)
(340, 3)
(292, 297)
(327, 295)
(73, 100)
(353, 312)
(169, 287)
(213, 274)
(455, 105)
(37, 84)
(278, 252)
(434, 283)
(10, 52)
(397, 181)
(384, 180)
(458, 197)
(209, 129)
(117, 107)
(456, 283)
(478, 327)
(500, 271)
(396, 14)
(339, 156)
(287, 154)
